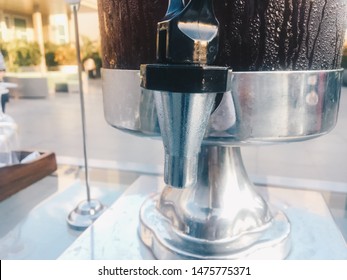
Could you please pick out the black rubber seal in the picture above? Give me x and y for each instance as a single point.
(184, 78)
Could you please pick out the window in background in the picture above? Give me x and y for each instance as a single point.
(20, 27)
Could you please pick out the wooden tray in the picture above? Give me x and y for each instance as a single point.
(16, 177)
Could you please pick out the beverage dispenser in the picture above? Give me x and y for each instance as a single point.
(207, 78)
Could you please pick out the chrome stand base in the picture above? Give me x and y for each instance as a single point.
(85, 214)
(272, 240)
(220, 217)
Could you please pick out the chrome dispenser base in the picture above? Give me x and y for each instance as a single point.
(85, 213)
(221, 217)
(166, 243)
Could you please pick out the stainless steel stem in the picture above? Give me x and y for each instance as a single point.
(83, 115)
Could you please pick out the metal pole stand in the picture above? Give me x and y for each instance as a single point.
(88, 210)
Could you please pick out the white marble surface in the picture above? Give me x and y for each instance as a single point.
(33, 222)
(114, 235)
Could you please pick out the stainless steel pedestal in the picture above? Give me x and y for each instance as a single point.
(221, 217)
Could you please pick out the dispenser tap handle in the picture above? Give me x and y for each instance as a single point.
(188, 35)
(174, 7)
(185, 84)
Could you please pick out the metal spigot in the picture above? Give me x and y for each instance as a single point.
(188, 34)
(184, 84)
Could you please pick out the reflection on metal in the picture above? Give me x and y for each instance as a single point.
(183, 118)
(221, 216)
(184, 98)
(262, 107)
(85, 214)
(188, 34)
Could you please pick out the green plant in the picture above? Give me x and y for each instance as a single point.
(3, 50)
(50, 49)
(21, 53)
(65, 55)
(91, 49)
(27, 53)
(96, 57)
